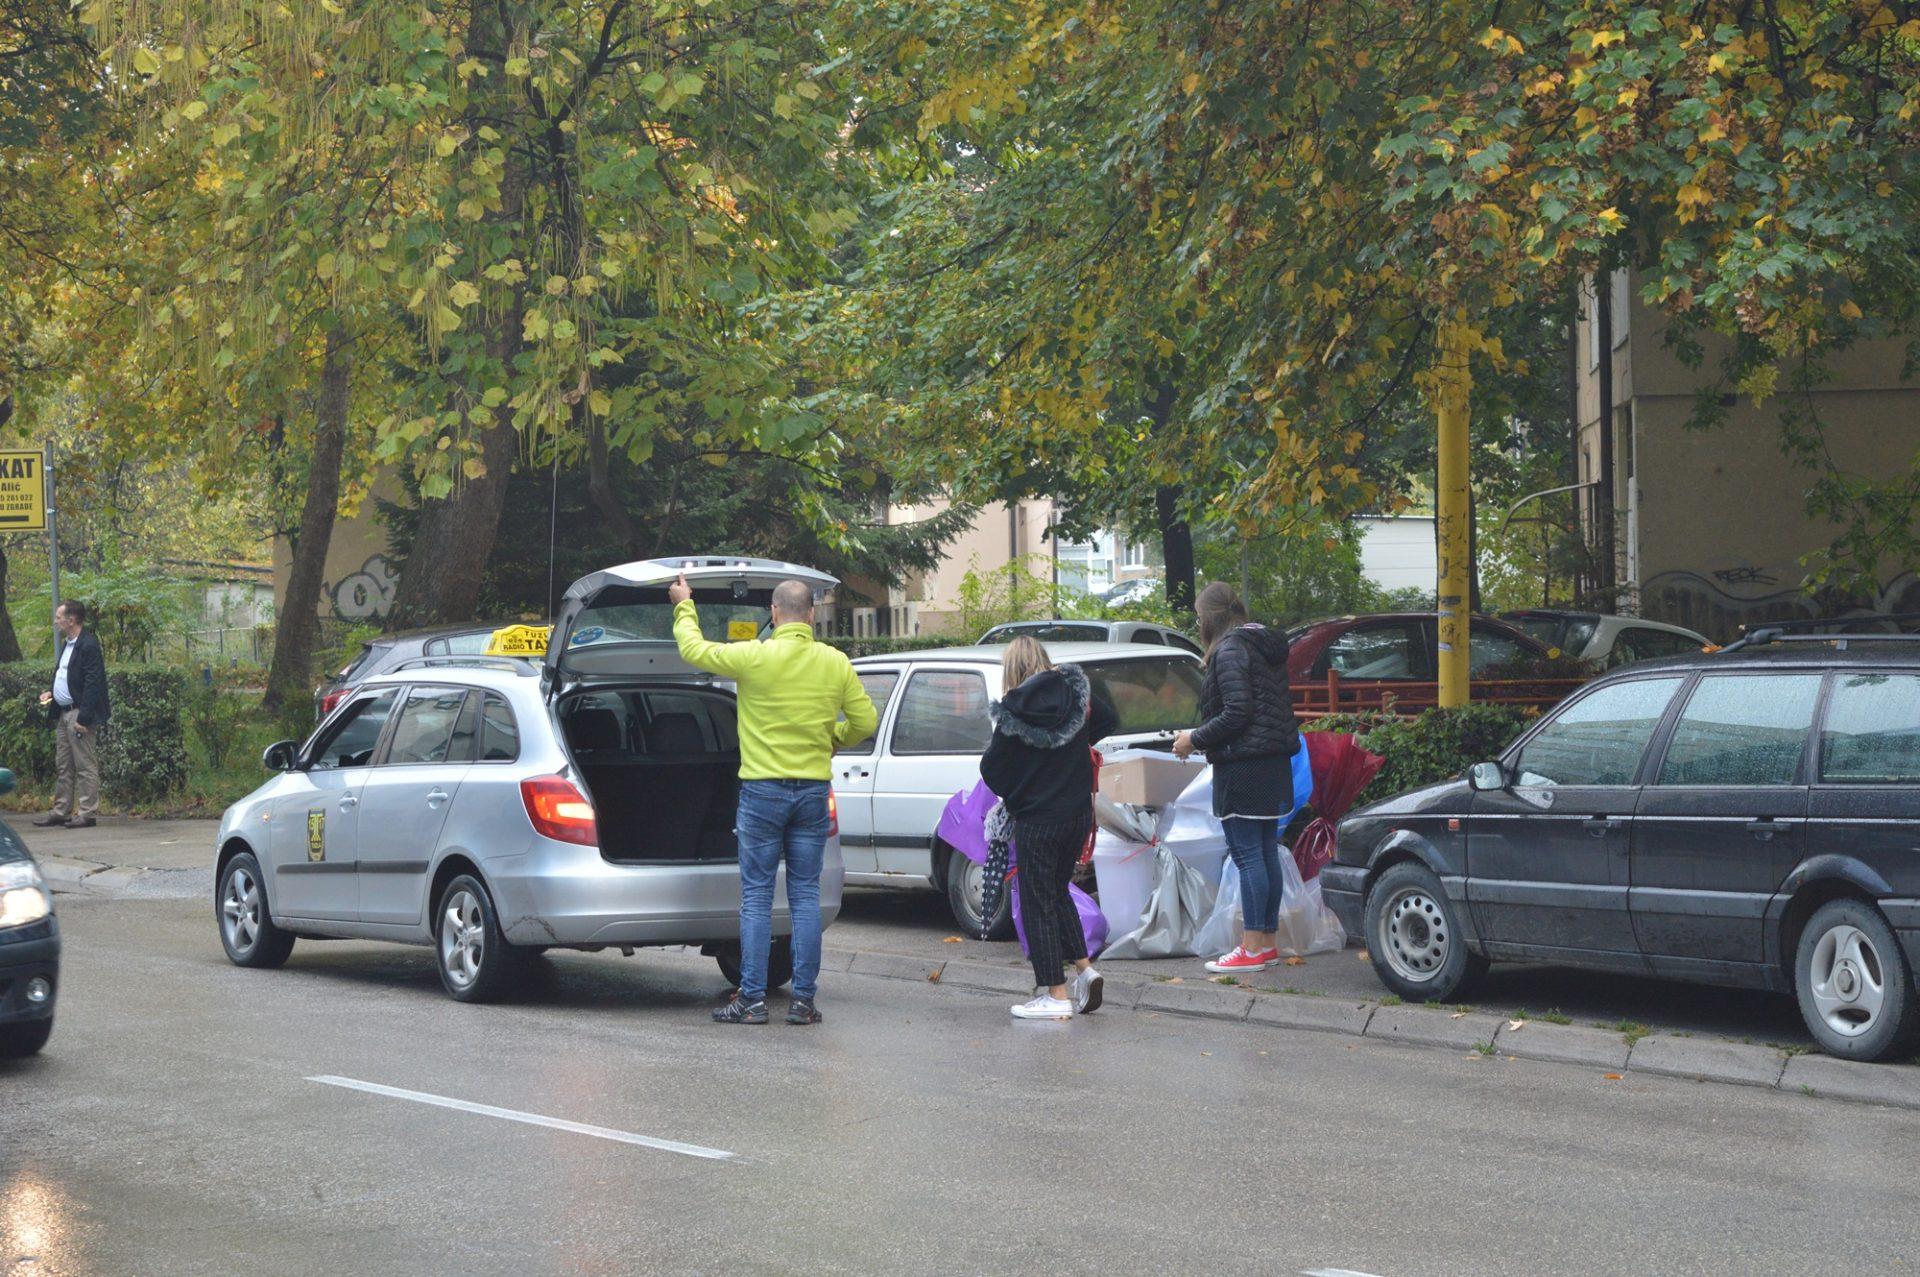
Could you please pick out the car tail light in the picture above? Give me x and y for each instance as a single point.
(559, 810)
(332, 699)
(833, 814)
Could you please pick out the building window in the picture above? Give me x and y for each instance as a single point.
(1134, 555)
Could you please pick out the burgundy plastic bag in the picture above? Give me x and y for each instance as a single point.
(1341, 770)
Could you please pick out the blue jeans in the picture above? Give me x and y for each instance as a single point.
(1255, 848)
(781, 819)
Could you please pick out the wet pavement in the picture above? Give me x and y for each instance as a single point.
(342, 1115)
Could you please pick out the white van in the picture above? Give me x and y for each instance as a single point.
(933, 729)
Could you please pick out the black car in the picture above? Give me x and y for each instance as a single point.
(1749, 817)
(29, 947)
(390, 651)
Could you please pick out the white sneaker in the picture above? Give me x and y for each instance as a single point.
(1044, 1007)
(1089, 987)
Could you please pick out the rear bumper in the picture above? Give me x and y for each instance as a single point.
(559, 894)
(35, 953)
(1344, 888)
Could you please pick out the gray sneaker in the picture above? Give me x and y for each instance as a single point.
(1088, 989)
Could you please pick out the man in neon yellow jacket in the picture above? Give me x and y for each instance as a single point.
(799, 701)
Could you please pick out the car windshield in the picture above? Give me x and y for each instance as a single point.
(1149, 695)
(723, 618)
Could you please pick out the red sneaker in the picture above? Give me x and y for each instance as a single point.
(1241, 960)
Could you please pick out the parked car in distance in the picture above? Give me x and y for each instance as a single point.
(494, 807)
(1140, 589)
(1604, 639)
(1092, 632)
(29, 946)
(1749, 817)
(933, 729)
(389, 651)
(1399, 647)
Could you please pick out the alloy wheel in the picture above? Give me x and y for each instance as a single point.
(1847, 980)
(463, 935)
(1414, 935)
(240, 909)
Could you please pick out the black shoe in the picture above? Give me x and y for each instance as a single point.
(739, 1012)
(799, 1012)
(81, 822)
(48, 822)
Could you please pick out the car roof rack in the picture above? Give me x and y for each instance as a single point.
(521, 665)
(1793, 631)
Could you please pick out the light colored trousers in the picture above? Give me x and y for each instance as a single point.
(77, 792)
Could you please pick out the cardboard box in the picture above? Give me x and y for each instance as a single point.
(1145, 777)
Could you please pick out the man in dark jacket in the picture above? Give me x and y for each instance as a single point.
(77, 707)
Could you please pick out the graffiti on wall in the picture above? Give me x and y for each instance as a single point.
(1718, 604)
(365, 595)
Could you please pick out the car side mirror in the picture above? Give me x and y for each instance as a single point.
(1487, 776)
(281, 756)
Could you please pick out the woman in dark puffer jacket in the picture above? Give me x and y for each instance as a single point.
(1248, 733)
(1040, 763)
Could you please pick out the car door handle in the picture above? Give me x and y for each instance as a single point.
(1763, 828)
(348, 802)
(1598, 825)
(855, 773)
(435, 797)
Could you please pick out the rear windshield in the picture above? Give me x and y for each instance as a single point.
(362, 661)
(1151, 695)
(1049, 632)
(645, 615)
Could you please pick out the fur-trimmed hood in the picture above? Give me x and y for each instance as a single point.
(1046, 711)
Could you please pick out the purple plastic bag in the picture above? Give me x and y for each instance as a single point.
(963, 826)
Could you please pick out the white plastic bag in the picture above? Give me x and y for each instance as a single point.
(1305, 926)
(1221, 931)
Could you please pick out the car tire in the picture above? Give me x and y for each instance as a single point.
(18, 1041)
(1415, 939)
(1853, 984)
(244, 917)
(475, 961)
(779, 963)
(965, 880)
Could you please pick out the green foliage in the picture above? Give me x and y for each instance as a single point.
(142, 751)
(1438, 745)
(1291, 577)
(1017, 592)
(128, 608)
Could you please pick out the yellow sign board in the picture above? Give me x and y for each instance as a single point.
(742, 631)
(23, 491)
(520, 640)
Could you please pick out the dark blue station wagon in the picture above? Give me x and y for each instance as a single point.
(1748, 817)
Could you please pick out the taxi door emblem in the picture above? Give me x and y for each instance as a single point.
(317, 834)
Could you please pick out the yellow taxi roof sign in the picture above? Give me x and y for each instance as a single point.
(519, 640)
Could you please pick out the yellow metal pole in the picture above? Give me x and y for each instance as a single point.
(1454, 532)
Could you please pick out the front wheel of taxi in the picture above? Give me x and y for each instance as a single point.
(246, 925)
(476, 962)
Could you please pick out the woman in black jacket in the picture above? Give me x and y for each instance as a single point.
(1248, 733)
(1040, 764)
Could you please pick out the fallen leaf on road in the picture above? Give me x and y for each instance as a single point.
(1206, 1053)
(1611, 1077)
(1514, 1026)
(1458, 1015)
(1296, 962)
(1176, 980)
(1363, 955)
(954, 940)
(933, 977)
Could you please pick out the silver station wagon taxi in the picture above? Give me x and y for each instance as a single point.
(496, 807)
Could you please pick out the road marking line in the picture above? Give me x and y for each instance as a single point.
(1333, 1272)
(531, 1119)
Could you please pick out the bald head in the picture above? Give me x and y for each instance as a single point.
(792, 601)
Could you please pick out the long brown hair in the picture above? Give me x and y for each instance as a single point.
(1219, 610)
(1023, 659)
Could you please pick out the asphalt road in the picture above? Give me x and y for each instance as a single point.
(174, 1127)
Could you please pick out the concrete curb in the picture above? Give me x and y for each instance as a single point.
(1665, 1055)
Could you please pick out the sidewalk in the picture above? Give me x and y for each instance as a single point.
(125, 856)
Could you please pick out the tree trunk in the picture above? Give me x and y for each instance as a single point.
(619, 524)
(9, 641)
(288, 678)
(441, 579)
(1176, 538)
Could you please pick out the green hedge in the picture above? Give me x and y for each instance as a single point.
(1438, 745)
(143, 751)
(886, 645)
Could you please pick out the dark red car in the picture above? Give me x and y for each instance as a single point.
(1400, 647)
